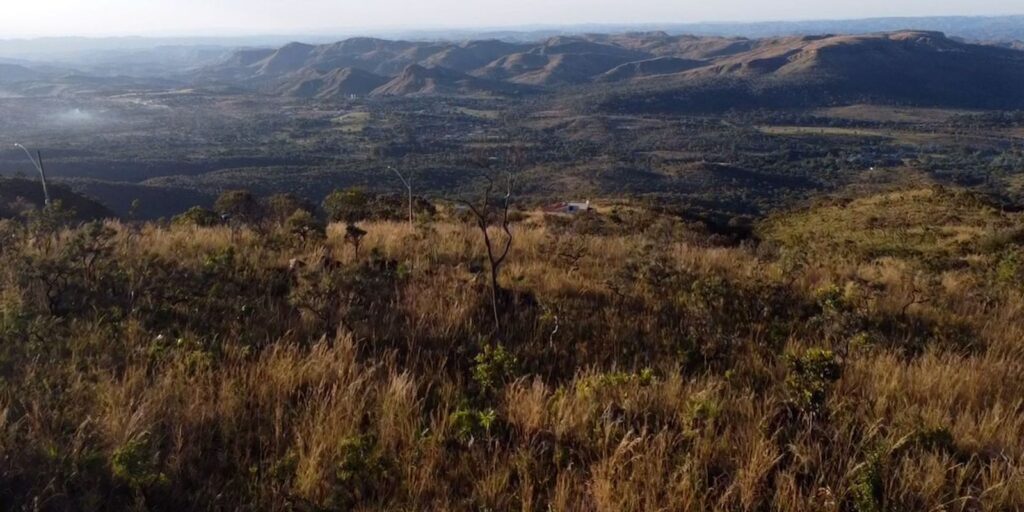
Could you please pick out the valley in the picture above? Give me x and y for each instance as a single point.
(773, 266)
(171, 156)
(582, 114)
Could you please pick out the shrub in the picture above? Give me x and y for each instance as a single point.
(136, 465)
(361, 474)
(239, 205)
(811, 376)
(494, 367)
(196, 216)
(469, 424)
(281, 207)
(349, 206)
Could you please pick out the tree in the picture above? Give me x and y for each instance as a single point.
(240, 205)
(349, 206)
(38, 163)
(196, 216)
(354, 236)
(305, 226)
(408, 186)
(281, 207)
(495, 256)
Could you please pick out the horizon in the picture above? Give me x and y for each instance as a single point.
(48, 19)
(386, 31)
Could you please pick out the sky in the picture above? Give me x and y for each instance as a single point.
(34, 18)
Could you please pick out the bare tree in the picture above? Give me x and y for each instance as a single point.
(495, 256)
(407, 181)
(38, 163)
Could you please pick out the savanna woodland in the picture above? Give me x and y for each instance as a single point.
(743, 271)
(862, 353)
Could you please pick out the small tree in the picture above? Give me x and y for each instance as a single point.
(407, 181)
(281, 207)
(196, 216)
(354, 236)
(349, 206)
(240, 205)
(305, 226)
(496, 251)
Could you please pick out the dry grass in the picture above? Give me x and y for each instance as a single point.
(640, 373)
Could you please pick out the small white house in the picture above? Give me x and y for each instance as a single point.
(570, 208)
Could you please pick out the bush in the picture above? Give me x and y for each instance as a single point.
(136, 465)
(362, 473)
(349, 206)
(239, 205)
(196, 216)
(811, 376)
(495, 366)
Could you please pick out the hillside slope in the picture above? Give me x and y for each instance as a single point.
(417, 80)
(657, 70)
(338, 83)
(633, 363)
(917, 68)
(17, 195)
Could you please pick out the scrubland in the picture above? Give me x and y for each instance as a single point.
(859, 354)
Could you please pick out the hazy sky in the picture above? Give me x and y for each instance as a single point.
(20, 18)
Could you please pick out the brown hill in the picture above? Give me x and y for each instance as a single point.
(557, 64)
(511, 66)
(585, 46)
(650, 67)
(660, 44)
(288, 58)
(911, 67)
(914, 67)
(569, 68)
(338, 83)
(417, 80)
(472, 55)
(376, 56)
(247, 57)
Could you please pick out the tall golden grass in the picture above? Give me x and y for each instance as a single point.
(646, 370)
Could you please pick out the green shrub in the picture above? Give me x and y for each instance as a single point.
(239, 205)
(811, 376)
(362, 473)
(494, 367)
(136, 465)
(196, 216)
(469, 424)
(866, 486)
(350, 206)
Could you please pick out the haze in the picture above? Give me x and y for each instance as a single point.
(238, 17)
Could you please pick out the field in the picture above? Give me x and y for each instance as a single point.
(862, 353)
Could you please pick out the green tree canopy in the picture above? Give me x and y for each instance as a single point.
(240, 205)
(349, 205)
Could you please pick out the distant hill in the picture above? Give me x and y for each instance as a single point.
(417, 80)
(11, 73)
(473, 55)
(650, 67)
(338, 83)
(656, 69)
(376, 56)
(910, 67)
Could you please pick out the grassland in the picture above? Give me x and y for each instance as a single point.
(858, 355)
